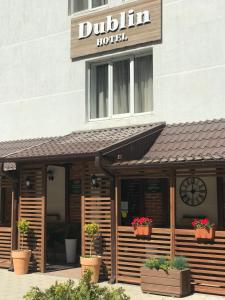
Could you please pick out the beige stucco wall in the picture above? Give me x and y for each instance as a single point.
(208, 208)
(56, 192)
(43, 92)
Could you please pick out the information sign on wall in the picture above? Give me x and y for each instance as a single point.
(132, 24)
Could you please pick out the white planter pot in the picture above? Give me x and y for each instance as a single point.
(71, 250)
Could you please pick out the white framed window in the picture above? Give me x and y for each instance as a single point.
(121, 87)
(81, 5)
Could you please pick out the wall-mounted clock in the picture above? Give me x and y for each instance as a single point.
(193, 191)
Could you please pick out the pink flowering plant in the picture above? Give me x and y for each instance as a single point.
(202, 223)
(142, 221)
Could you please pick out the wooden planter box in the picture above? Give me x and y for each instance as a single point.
(205, 234)
(143, 230)
(172, 283)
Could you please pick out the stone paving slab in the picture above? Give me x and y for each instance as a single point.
(13, 287)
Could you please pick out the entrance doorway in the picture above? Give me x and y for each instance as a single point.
(59, 225)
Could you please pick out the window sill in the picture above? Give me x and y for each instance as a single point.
(86, 12)
(122, 116)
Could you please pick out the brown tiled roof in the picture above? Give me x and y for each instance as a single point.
(197, 141)
(9, 147)
(80, 143)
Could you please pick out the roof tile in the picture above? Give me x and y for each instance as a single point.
(74, 144)
(188, 142)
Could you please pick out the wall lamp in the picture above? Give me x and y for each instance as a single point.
(28, 183)
(50, 175)
(94, 181)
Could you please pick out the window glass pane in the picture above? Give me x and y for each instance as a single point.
(96, 3)
(78, 5)
(143, 84)
(121, 87)
(99, 91)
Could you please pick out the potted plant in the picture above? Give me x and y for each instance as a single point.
(142, 226)
(163, 277)
(204, 229)
(91, 261)
(21, 257)
(71, 245)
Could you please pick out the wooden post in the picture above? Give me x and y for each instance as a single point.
(113, 231)
(67, 200)
(14, 211)
(117, 216)
(43, 218)
(172, 211)
(14, 216)
(82, 212)
(220, 201)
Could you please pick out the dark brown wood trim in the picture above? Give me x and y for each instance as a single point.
(44, 203)
(172, 211)
(14, 215)
(113, 230)
(220, 202)
(67, 199)
(82, 213)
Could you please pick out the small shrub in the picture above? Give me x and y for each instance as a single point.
(91, 230)
(85, 290)
(179, 263)
(160, 263)
(23, 227)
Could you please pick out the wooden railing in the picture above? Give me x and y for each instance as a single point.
(132, 252)
(5, 246)
(98, 210)
(206, 260)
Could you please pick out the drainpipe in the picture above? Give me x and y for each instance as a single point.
(98, 164)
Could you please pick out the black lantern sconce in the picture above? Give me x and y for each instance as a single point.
(50, 175)
(95, 181)
(28, 183)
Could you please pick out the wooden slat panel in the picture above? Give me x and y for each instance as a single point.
(32, 207)
(206, 260)
(132, 251)
(97, 208)
(74, 211)
(5, 246)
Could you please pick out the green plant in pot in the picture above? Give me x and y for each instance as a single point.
(21, 257)
(91, 262)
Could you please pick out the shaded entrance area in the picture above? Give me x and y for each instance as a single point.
(63, 219)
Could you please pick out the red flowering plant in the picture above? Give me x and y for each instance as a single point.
(202, 223)
(142, 221)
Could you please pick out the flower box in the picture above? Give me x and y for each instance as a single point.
(142, 230)
(204, 233)
(176, 283)
(204, 229)
(142, 226)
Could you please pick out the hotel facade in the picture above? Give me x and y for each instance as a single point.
(113, 109)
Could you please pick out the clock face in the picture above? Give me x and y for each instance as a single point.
(193, 191)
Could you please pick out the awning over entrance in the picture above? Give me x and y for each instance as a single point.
(8, 148)
(77, 144)
(159, 143)
(185, 142)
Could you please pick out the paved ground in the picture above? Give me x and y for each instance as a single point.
(13, 287)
